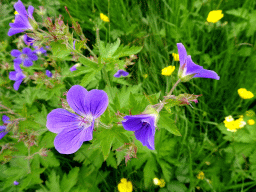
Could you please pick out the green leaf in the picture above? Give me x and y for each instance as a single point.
(87, 62)
(149, 171)
(124, 51)
(111, 160)
(68, 181)
(88, 77)
(59, 50)
(169, 124)
(50, 160)
(53, 182)
(108, 50)
(47, 140)
(176, 186)
(106, 142)
(154, 98)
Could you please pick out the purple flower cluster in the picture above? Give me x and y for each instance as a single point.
(27, 56)
(188, 69)
(74, 129)
(3, 131)
(22, 20)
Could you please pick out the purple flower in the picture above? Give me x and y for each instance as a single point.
(40, 51)
(17, 76)
(143, 127)
(74, 129)
(28, 40)
(22, 20)
(74, 67)
(3, 131)
(27, 56)
(15, 183)
(188, 69)
(121, 72)
(48, 73)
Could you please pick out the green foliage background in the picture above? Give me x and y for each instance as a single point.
(228, 47)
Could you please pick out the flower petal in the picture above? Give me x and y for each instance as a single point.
(76, 98)
(13, 31)
(182, 53)
(204, 73)
(60, 119)
(15, 53)
(144, 135)
(30, 11)
(20, 8)
(191, 67)
(17, 61)
(27, 62)
(96, 102)
(2, 131)
(68, 140)
(5, 119)
(87, 133)
(16, 85)
(134, 122)
(12, 75)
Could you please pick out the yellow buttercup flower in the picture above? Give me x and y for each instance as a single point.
(251, 122)
(200, 175)
(104, 17)
(214, 16)
(16, 12)
(239, 123)
(159, 182)
(167, 71)
(156, 181)
(124, 186)
(244, 94)
(175, 56)
(145, 76)
(162, 183)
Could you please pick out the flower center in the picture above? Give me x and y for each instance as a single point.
(86, 121)
(23, 56)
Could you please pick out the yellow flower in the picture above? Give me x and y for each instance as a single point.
(145, 76)
(156, 181)
(200, 175)
(175, 56)
(124, 186)
(16, 12)
(229, 119)
(13, 20)
(162, 183)
(167, 71)
(214, 16)
(104, 17)
(251, 122)
(239, 123)
(244, 94)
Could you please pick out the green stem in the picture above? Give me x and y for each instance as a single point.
(163, 102)
(80, 53)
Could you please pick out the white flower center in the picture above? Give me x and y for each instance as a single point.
(85, 121)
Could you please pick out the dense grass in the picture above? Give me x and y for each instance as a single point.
(227, 47)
